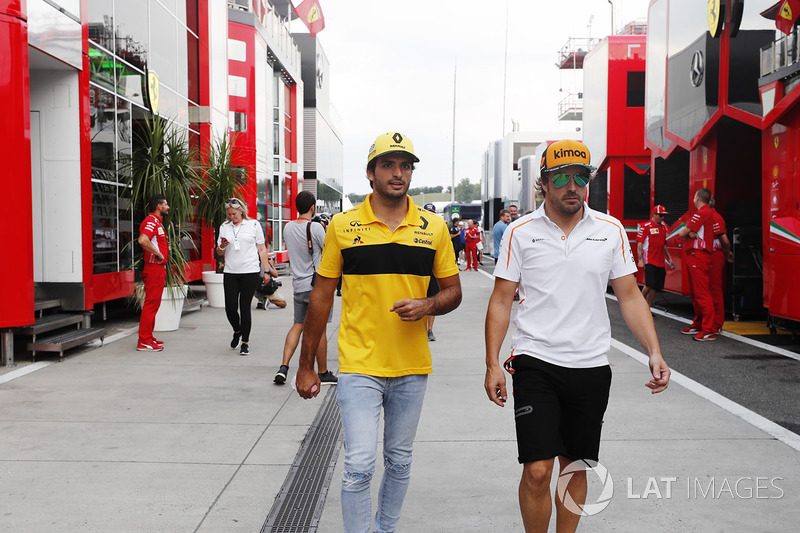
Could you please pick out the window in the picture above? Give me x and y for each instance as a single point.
(598, 192)
(635, 89)
(637, 195)
(237, 50)
(238, 121)
(131, 24)
(237, 86)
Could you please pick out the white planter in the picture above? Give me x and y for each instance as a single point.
(168, 317)
(215, 292)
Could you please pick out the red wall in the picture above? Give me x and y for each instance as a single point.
(16, 265)
(244, 142)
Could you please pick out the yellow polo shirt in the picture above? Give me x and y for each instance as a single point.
(380, 267)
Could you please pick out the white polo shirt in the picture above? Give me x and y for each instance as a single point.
(562, 317)
(245, 237)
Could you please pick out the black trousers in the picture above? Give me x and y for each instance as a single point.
(239, 291)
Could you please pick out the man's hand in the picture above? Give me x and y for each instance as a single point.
(160, 256)
(495, 385)
(267, 277)
(660, 372)
(641, 263)
(670, 264)
(411, 310)
(307, 383)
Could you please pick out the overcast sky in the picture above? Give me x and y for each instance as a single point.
(392, 69)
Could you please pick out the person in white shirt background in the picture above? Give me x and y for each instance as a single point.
(241, 241)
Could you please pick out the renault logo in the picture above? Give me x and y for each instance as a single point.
(397, 138)
(697, 70)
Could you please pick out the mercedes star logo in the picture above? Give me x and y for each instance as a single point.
(697, 70)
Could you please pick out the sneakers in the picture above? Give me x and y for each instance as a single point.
(245, 349)
(158, 342)
(690, 330)
(705, 336)
(328, 378)
(431, 336)
(280, 375)
(149, 347)
(235, 340)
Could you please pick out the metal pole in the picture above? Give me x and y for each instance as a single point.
(453, 163)
(612, 16)
(505, 75)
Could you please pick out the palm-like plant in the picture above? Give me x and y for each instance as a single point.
(219, 182)
(161, 163)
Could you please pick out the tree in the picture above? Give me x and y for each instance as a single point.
(467, 191)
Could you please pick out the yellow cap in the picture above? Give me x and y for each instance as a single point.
(391, 142)
(562, 154)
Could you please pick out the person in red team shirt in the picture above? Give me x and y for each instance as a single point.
(699, 232)
(653, 253)
(722, 252)
(473, 236)
(153, 240)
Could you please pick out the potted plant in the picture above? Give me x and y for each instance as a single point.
(220, 181)
(161, 163)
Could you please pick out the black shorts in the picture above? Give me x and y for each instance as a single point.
(654, 277)
(433, 287)
(558, 410)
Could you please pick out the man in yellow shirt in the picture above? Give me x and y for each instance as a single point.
(386, 250)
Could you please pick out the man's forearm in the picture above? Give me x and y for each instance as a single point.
(498, 316)
(445, 301)
(639, 320)
(148, 247)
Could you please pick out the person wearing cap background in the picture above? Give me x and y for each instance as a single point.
(562, 256)
(651, 241)
(387, 249)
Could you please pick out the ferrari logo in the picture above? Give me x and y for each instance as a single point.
(786, 11)
(152, 90)
(313, 14)
(714, 12)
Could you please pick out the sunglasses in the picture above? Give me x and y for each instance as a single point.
(561, 180)
(233, 202)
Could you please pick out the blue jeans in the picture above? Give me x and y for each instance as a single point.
(360, 399)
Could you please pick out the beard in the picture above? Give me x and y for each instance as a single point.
(569, 208)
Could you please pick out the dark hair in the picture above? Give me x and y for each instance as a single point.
(704, 195)
(513, 205)
(541, 182)
(304, 201)
(154, 201)
(504, 212)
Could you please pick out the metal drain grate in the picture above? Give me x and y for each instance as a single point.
(299, 504)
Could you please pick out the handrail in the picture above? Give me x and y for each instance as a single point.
(781, 53)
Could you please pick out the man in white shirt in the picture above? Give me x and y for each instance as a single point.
(562, 256)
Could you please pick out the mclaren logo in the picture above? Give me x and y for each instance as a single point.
(697, 69)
